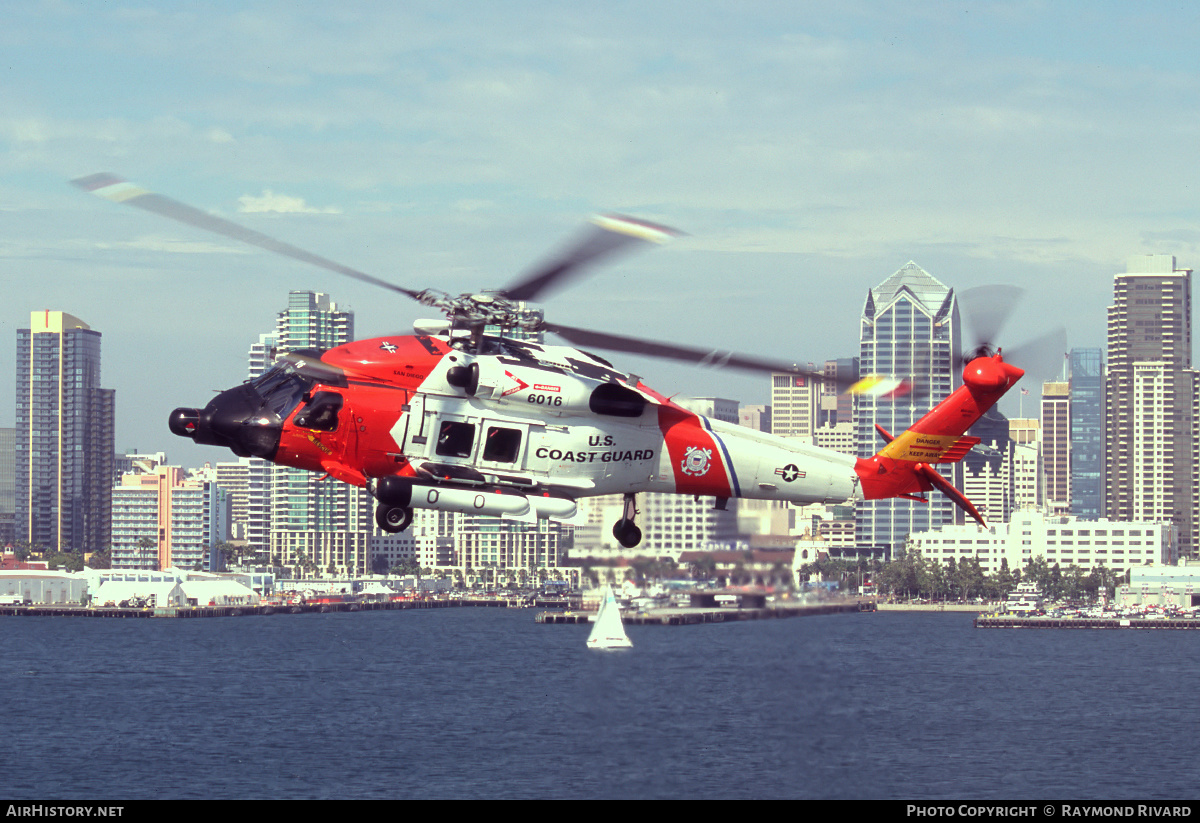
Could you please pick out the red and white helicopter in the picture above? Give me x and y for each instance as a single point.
(459, 419)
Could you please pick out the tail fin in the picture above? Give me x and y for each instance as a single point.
(901, 468)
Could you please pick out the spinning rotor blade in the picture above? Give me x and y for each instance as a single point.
(116, 189)
(609, 234)
(987, 309)
(672, 351)
(1042, 358)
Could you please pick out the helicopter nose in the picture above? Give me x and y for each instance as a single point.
(184, 422)
(236, 419)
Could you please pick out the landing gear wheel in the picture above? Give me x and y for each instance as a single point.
(393, 519)
(627, 533)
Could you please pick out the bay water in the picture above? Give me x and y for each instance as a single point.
(486, 703)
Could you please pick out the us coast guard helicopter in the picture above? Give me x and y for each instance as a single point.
(456, 418)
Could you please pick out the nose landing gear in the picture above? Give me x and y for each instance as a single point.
(625, 530)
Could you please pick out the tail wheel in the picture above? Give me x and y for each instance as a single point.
(393, 518)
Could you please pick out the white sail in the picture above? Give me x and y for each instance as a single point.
(608, 632)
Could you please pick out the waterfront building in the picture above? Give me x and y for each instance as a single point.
(1088, 436)
(1162, 585)
(64, 436)
(248, 484)
(1151, 391)
(1063, 540)
(909, 329)
(391, 550)
(670, 523)
(511, 551)
(42, 586)
(163, 519)
(433, 538)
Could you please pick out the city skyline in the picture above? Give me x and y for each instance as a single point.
(182, 452)
(806, 150)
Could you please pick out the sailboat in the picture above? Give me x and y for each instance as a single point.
(608, 632)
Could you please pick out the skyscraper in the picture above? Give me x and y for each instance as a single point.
(64, 423)
(909, 328)
(1056, 447)
(1087, 433)
(795, 403)
(1151, 389)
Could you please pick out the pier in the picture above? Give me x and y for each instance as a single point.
(1013, 622)
(688, 616)
(556, 610)
(127, 612)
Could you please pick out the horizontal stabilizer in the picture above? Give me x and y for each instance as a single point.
(947, 488)
(959, 450)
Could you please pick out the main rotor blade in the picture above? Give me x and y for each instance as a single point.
(608, 234)
(671, 351)
(118, 190)
(1042, 358)
(987, 309)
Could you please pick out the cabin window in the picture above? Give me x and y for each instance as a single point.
(502, 445)
(456, 439)
(321, 412)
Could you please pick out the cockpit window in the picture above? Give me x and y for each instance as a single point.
(321, 413)
(281, 388)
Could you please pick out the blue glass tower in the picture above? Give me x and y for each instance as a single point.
(1087, 433)
(909, 328)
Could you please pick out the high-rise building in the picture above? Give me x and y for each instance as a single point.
(64, 438)
(1087, 433)
(909, 329)
(837, 406)
(1056, 447)
(988, 468)
(1151, 390)
(795, 405)
(8, 485)
(163, 519)
(262, 354)
(311, 322)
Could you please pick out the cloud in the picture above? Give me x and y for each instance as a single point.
(172, 246)
(279, 203)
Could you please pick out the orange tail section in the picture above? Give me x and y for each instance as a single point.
(902, 467)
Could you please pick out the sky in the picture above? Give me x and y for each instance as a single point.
(806, 150)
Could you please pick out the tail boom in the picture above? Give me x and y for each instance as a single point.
(901, 468)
